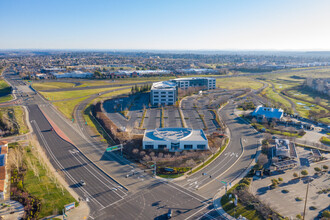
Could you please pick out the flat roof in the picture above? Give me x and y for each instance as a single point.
(164, 85)
(192, 78)
(174, 134)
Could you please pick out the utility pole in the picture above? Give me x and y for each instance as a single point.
(306, 200)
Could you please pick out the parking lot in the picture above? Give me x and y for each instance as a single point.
(285, 198)
(195, 109)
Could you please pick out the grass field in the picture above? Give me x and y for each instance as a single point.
(238, 83)
(6, 98)
(19, 117)
(52, 85)
(54, 96)
(270, 94)
(5, 92)
(44, 187)
(67, 107)
(308, 96)
(90, 120)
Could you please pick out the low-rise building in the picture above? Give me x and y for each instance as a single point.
(175, 139)
(269, 113)
(164, 93)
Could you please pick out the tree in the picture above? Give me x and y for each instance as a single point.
(295, 175)
(97, 74)
(262, 160)
(190, 163)
(304, 173)
(325, 167)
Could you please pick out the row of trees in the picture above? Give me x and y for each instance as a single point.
(144, 88)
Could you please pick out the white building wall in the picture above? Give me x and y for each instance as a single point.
(159, 96)
(181, 144)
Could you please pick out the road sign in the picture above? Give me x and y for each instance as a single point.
(116, 147)
(69, 206)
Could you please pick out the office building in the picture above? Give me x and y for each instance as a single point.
(175, 139)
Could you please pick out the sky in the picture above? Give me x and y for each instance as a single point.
(165, 24)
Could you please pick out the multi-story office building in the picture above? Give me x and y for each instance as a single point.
(164, 93)
(202, 82)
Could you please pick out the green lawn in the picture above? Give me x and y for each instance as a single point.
(54, 96)
(67, 107)
(302, 107)
(6, 98)
(90, 120)
(238, 83)
(52, 85)
(309, 96)
(325, 140)
(270, 94)
(19, 117)
(45, 187)
(5, 92)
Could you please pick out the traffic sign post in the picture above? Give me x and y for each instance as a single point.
(116, 147)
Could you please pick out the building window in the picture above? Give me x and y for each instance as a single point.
(163, 100)
(201, 146)
(188, 146)
(156, 100)
(156, 96)
(163, 93)
(162, 146)
(149, 146)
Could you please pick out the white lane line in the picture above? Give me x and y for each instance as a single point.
(96, 171)
(209, 172)
(203, 180)
(59, 164)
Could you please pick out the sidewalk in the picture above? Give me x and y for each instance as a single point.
(79, 213)
(11, 210)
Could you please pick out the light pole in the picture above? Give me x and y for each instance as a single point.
(306, 199)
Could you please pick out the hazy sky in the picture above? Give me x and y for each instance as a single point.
(166, 24)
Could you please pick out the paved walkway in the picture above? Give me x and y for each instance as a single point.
(11, 210)
(79, 213)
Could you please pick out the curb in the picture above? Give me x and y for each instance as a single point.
(88, 157)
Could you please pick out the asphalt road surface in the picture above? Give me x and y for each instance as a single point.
(100, 190)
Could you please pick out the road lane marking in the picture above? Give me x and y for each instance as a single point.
(89, 164)
(59, 164)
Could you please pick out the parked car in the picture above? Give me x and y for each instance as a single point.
(82, 183)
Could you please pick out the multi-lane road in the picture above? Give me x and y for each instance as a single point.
(110, 194)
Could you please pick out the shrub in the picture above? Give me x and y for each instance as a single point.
(298, 199)
(285, 191)
(325, 167)
(304, 173)
(312, 208)
(317, 169)
(280, 179)
(326, 214)
(295, 175)
(298, 216)
(20, 185)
